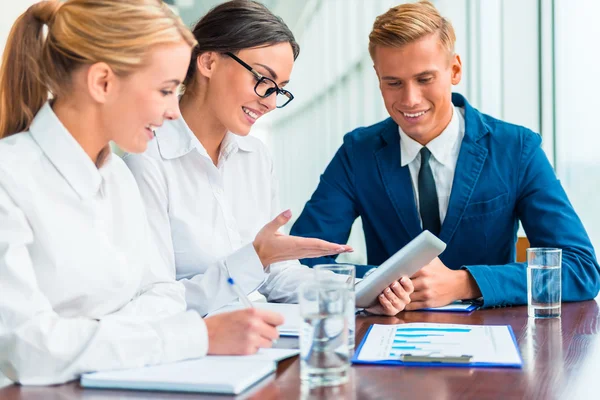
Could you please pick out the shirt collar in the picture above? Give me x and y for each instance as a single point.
(441, 147)
(63, 151)
(175, 139)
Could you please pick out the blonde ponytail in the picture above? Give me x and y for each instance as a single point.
(120, 33)
(22, 88)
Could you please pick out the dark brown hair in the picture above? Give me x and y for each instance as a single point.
(237, 25)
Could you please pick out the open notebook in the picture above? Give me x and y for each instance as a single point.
(212, 374)
(291, 314)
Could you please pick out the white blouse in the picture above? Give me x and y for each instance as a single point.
(205, 217)
(80, 286)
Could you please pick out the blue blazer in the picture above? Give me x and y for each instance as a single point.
(502, 176)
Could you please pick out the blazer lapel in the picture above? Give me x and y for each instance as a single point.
(470, 162)
(397, 180)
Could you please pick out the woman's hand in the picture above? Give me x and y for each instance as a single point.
(242, 332)
(273, 246)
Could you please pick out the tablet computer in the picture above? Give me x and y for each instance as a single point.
(408, 260)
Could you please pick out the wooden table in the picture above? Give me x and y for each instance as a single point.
(561, 361)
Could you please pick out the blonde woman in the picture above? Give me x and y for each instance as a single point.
(81, 288)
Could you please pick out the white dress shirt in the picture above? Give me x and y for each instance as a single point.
(80, 286)
(205, 217)
(444, 149)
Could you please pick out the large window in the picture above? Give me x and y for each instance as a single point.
(576, 107)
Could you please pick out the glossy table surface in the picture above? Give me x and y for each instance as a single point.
(561, 361)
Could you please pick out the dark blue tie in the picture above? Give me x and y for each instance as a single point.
(428, 200)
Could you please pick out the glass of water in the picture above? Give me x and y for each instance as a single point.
(324, 353)
(345, 274)
(544, 282)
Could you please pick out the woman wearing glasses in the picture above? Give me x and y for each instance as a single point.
(209, 187)
(80, 287)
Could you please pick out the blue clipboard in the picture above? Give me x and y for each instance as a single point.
(449, 308)
(355, 359)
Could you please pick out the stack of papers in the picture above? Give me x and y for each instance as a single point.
(291, 314)
(212, 374)
(437, 344)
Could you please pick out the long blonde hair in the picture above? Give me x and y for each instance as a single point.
(410, 22)
(37, 61)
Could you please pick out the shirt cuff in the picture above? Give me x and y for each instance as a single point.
(183, 336)
(245, 268)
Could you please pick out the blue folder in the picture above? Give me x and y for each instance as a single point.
(435, 360)
(457, 306)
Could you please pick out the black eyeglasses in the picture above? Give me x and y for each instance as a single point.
(265, 86)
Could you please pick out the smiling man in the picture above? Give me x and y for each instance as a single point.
(439, 164)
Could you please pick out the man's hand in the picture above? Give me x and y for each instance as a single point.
(394, 298)
(437, 285)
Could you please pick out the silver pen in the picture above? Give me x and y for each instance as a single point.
(240, 293)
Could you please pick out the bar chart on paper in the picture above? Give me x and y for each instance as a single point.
(478, 344)
(426, 341)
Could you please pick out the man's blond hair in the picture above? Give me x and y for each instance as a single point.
(408, 23)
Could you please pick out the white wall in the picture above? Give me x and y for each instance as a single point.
(9, 11)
